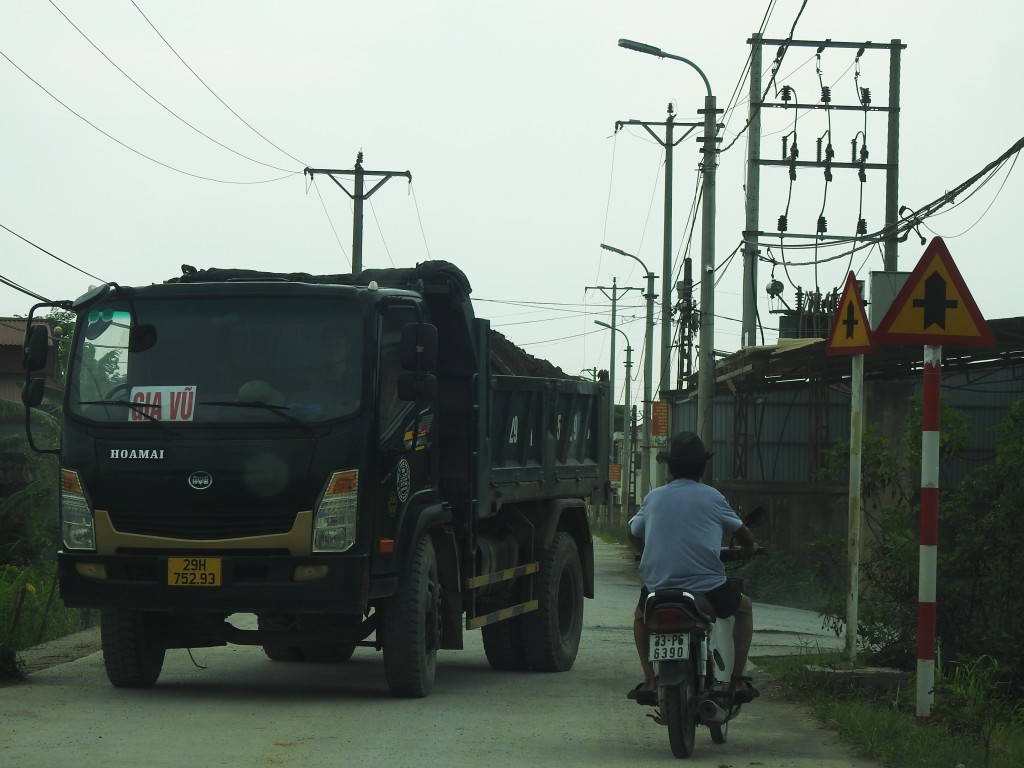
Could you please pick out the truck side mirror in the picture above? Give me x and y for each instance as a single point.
(417, 386)
(418, 347)
(32, 392)
(33, 353)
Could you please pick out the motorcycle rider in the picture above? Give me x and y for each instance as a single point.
(678, 530)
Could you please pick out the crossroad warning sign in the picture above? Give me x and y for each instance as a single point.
(850, 334)
(934, 307)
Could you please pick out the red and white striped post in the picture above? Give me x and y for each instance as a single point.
(929, 531)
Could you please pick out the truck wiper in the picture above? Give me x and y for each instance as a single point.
(140, 408)
(280, 410)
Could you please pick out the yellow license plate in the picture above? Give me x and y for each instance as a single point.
(193, 572)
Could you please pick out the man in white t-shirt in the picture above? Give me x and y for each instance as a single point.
(679, 530)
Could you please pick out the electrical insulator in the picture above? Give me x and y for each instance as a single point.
(865, 96)
(862, 226)
(785, 147)
(826, 94)
(799, 298)
(787, 93)
(783, 223)
(822, 224)
(853, 150)
(818, 148)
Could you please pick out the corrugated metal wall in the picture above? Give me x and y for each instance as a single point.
(781, 432)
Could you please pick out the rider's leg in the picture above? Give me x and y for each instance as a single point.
(742, 635)
(642, 648)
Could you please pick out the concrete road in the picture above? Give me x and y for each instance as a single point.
(233, 707)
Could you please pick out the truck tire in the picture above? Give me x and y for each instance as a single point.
(503, 645)
(551, 634)
(412, 626)
(332, 651)
(133, 652)
(279, 623)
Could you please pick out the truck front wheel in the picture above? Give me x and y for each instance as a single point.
(412, 626)
(133, 651)
(551, 634)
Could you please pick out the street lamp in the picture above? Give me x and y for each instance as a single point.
(627, 448)
(645, 457)
(706, 358)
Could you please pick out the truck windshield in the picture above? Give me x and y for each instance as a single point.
(236, 360)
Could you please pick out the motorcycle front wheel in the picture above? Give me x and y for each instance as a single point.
(681, 714)
(718, 733)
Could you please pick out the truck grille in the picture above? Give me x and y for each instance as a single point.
(205, 524)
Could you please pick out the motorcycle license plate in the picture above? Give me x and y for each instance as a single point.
(193, 572)
(670, 647)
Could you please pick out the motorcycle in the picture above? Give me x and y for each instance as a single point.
(692, 655)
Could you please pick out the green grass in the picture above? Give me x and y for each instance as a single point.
(31, 611)
(884, 726)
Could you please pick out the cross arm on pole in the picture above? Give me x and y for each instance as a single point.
(330, 173)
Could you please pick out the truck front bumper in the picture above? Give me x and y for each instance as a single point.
(246, 584)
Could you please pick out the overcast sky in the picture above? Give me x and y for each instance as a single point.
(504, 114)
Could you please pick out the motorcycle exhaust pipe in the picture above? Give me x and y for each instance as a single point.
(709, 712)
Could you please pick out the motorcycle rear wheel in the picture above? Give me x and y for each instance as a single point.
(681, 714)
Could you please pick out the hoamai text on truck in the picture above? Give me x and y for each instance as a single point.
(334, 454)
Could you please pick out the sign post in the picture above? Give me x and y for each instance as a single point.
(851, 335)
(933, 308)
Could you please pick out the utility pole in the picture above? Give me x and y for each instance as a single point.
(668, 143)
(748, 333)
(892, 157)
(614, 298)
(646, 459)
(684, 290)
(358, 196)
(858, 159)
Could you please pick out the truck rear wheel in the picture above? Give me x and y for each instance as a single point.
(503, 645)
(133, 652)
(551, 634)
(412, 626)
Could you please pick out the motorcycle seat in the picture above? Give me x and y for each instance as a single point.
(694, 603)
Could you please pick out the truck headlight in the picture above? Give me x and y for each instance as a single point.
(77, 530)
(334, 525)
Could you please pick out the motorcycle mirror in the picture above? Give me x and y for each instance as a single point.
(756, 517)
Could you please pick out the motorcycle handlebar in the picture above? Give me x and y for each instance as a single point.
(735, 554)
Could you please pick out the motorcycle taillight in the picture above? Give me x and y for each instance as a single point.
(672, 620)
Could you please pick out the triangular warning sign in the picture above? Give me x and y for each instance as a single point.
(850, 334)
(934, 307)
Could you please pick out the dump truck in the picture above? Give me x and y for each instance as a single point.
(220, 457)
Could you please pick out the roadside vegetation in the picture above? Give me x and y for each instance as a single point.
(30, 608)
(975, 722)
(977, 718)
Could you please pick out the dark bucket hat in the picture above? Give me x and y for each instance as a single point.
(686, 448)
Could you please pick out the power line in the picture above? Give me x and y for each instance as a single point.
(156, 100)
(11, 284)
(132, 149)
(779, 56)
(218, 98)
(58, 258)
